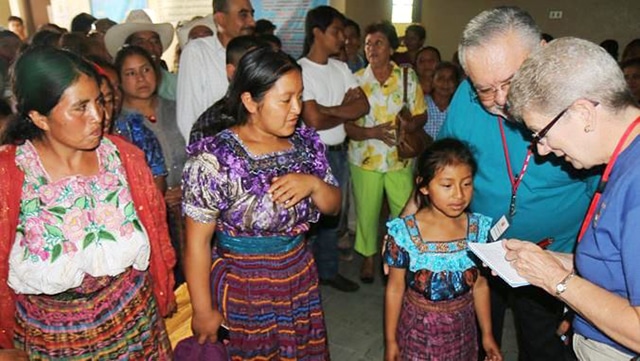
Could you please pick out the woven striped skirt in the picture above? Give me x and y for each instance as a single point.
(107, 318)
(437, 331)
(271, 303)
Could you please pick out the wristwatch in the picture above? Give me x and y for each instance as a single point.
(562, 285)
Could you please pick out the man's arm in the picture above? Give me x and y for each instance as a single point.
(354, 106)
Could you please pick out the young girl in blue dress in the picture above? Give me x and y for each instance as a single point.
(435, 291)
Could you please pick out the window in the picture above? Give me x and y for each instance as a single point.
(402, 11)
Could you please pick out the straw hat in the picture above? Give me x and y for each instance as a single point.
(137, 20)
(183, 30)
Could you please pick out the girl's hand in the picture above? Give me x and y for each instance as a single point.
(291, 188)
(391, 351)
(205, 326)
(491, 349)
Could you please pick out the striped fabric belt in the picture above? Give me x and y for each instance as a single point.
(257, 245)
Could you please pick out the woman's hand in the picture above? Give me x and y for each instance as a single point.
(391, 351)
(385, 132)
(13, 355)
(541, 268)
(205, 325)
(171, 310)
(491, 348)
(291, 188)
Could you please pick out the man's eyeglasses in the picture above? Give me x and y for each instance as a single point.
(539, 135)
(488, 94)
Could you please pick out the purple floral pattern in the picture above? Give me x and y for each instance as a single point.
(224, 182)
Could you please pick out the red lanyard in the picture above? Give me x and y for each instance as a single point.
(514, 180)
(605, 178)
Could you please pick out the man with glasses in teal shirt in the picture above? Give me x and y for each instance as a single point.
(538, 198)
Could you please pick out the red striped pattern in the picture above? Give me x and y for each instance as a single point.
(117, 322)
(271, 304)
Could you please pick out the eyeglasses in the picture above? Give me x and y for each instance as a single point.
(539, 135)
(488, 94)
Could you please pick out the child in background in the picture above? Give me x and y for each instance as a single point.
(435, 291)
(446, 78)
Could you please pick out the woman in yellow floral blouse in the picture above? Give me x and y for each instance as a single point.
(375, 166)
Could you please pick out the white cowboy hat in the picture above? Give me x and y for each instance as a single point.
(137, 20)
(183, 30)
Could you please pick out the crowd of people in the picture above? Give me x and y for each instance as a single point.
(236, 172)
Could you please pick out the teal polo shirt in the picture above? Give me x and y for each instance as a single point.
(552, 198)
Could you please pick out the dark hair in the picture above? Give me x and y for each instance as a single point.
(611, 46)
(418, 30)
(633, 44)
(319, 17)
(387, 29)
(239, 46)
(81, 23)
(546, 37)
(257, 72)
(52, 27)
(264, 26)
(221, 6)
(629, 63)
(5, 118)
(443, 152)
(270, 39)
(39, 77)
(350, 23)
(10, 36)
(75, 43)
(102, 62)
(46, 38)
(15, 18)
(130, 50)
(5, 108)
(453, 67)
(429, 48)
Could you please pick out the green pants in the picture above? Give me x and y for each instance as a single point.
(368, 190)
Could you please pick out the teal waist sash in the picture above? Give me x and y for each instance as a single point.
(257, 245)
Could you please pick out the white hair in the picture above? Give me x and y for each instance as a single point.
(566, 70)
(489, 24)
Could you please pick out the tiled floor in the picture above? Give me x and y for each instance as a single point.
(354, 320)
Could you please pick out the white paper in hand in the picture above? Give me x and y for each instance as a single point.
(493, 255)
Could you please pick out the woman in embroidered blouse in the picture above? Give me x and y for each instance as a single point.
(78, 240)
(374, 164)
(257, 185)
(435, 291)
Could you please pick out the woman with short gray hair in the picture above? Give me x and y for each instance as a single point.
(572, 94)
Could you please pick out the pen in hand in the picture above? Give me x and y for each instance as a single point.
(545, 243)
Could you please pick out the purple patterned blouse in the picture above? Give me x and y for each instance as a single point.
(223, 182)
